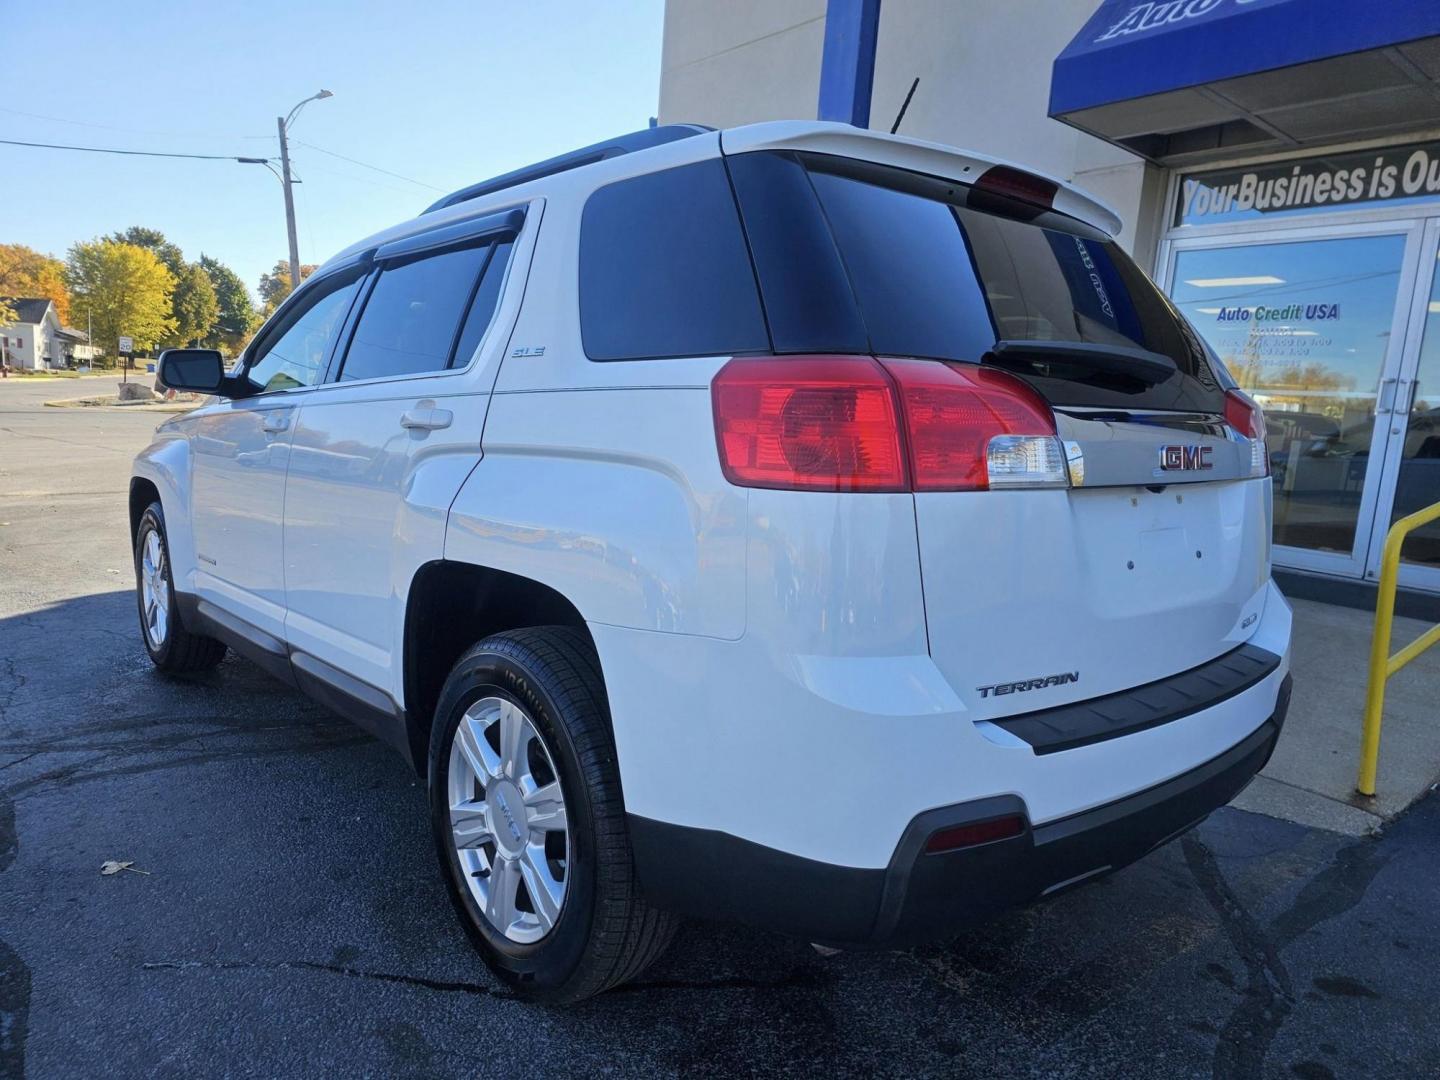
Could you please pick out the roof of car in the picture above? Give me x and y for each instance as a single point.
(663, 141)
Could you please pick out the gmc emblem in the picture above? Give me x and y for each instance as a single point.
(1178, 458)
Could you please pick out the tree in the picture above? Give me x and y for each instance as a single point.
(236, 318)
(124, 289)
(153, 240)
(194, 306)
(276, 285)
(25, 272)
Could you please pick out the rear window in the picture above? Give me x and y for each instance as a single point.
(934, 270)
(664, 270)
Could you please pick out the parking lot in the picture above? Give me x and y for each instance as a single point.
(283, 915)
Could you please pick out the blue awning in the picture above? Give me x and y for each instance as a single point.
(1141, 69)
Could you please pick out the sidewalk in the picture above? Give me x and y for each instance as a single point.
(1311, 778)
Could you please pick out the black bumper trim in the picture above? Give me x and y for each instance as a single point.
(921, 897)
(1067, 726)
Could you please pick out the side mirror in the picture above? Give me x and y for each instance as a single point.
(196, 371)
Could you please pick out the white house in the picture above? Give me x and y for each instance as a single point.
(37, 340)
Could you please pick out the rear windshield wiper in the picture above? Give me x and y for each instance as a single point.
(1150, 368)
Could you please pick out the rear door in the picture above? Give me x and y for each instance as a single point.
(1154, 560)
(381, 448)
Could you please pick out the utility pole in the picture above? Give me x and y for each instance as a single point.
(289, 205)
(282, 124)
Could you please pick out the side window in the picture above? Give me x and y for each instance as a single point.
(295, 354)
(664, 270)
(412, 316)
(482, 308)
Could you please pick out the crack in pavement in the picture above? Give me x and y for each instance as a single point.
(1268, 996)
(443, 985)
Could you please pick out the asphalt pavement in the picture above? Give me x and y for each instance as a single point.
(290, 920)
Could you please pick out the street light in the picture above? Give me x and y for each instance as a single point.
(283, 124)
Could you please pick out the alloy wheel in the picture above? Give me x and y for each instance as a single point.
(507, 819)
(155, 590)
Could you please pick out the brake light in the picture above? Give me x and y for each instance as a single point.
(1018, 184)
(969, 428)
(1247, 418)
(852, 423)
(819, 423)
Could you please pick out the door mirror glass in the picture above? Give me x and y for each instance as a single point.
(198, 371)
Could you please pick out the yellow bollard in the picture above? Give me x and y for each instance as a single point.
(1382, 664)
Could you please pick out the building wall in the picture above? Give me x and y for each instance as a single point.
(984, 69)
(27, 354)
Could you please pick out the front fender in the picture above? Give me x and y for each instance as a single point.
(165, 463)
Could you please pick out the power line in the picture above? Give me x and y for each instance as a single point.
(134, 153)
(367, 165)
(127, 130)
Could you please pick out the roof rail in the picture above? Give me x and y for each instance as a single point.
(586, 155)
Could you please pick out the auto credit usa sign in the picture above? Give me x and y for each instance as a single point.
(1140, 18)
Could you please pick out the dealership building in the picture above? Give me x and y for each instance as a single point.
(1276, 164)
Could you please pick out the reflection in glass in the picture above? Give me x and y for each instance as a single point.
(1418, 484)
(1304, 328)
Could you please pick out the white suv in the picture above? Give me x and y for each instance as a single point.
(824, 530)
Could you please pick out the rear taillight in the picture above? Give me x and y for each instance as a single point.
(816, 423)
(1246, 417)
(969, 428)
(852, 423)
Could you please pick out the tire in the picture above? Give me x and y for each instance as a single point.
(172, 648)
(604, 933)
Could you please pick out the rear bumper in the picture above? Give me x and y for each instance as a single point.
(920, 896)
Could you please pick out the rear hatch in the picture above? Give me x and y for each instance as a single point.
(1131, 540)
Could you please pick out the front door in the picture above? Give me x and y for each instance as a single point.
(241, 454)
(1313, 325)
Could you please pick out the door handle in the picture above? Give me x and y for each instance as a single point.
(1410, 398)
(277, 421)
(1381, 405)
(426, 419)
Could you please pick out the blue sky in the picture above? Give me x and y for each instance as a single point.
(441, 92)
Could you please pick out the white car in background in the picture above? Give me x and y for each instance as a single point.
(824, 530)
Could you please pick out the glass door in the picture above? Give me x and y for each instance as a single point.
(1312, 324)
(1412, 467)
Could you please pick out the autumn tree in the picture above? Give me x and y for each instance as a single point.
(194, 306)
(236, 318)
(26, 272)
(153, 240)
(276, 285)
(123, 289)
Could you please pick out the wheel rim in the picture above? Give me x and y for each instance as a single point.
(154, 590)
(507, 819)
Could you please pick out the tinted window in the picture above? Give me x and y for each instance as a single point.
(935, 269)
(664, 270)
(410, 319)
(912, 273)
(482, 308)
(807, 292)
(294, 353)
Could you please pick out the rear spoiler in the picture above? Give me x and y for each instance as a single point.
(934, 159)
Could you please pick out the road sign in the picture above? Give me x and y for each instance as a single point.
(127, 345)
